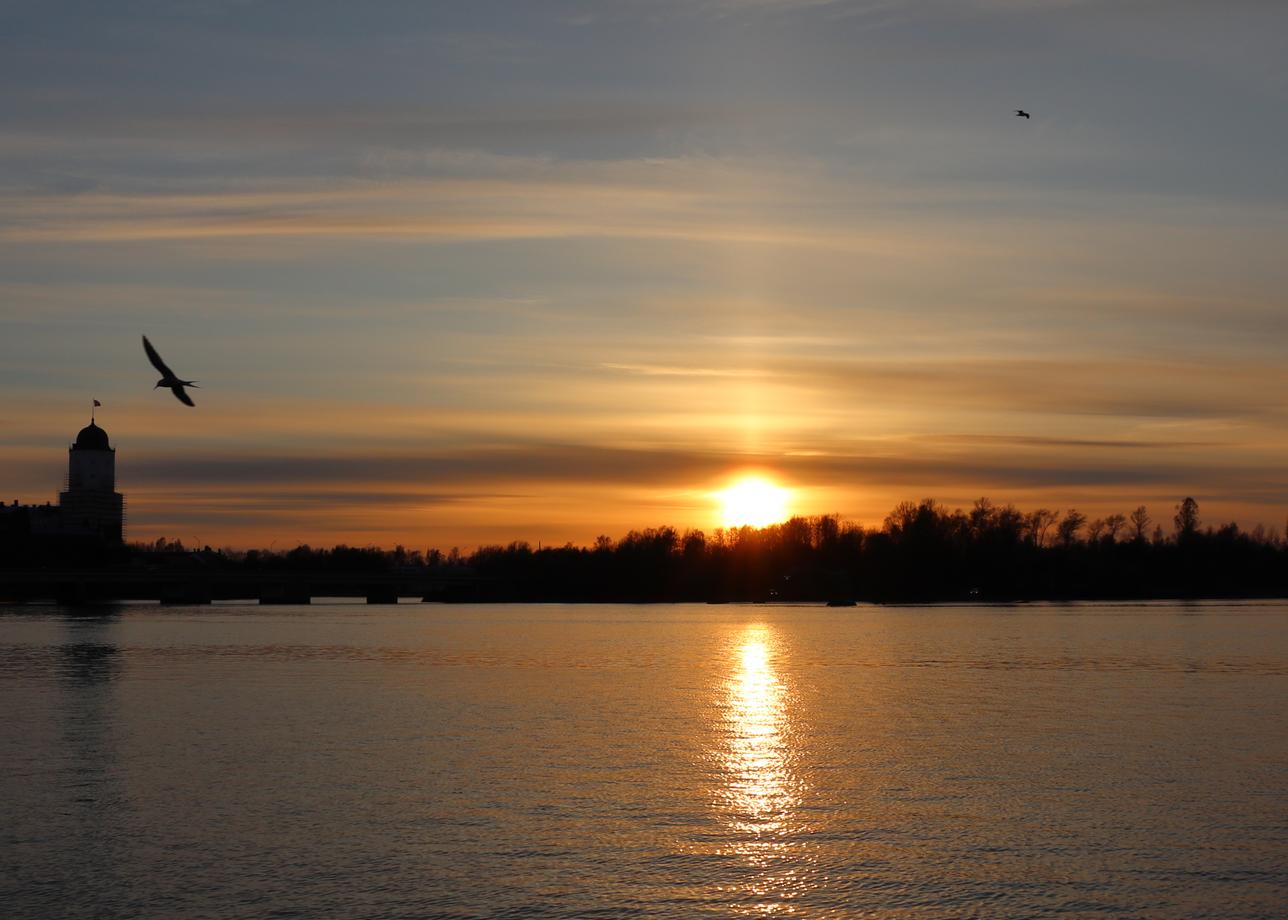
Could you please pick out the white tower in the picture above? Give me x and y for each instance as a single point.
(91, 506)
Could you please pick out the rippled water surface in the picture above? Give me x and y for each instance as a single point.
(616, 761)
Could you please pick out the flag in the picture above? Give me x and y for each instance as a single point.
(98, 404)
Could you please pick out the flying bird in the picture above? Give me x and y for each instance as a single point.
(168, 379)
(1020, 113)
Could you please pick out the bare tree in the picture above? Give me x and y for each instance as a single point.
(900, 518)
(1187, 519)
(1010, 521)
(981, 515)
(1140, 523)
(1067, 532)
(1095, 529)
(1037, 523)
(1113, 524)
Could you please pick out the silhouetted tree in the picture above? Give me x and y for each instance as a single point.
(1140, 523)
(981, 516)
(1067, 532)
(1037, 523)
(1186, 520)
(924, 551)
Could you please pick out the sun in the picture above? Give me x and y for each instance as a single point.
(753, 501)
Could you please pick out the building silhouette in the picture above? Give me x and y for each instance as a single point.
(89, 508)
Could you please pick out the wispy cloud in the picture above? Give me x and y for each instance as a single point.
(660, 370)
(1081, 386)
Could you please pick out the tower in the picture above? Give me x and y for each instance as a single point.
(91, 506)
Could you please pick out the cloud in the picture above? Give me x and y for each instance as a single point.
(1136, 388)
(890, 462)
(660, 370)
(688, 203)
(1032, 441)
(885, 10)
(386, 135)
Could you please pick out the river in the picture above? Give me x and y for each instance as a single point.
(652, 761)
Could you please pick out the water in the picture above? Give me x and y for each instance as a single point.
(617, 761)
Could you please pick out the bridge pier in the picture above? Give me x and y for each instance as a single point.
(456, 593)
(71, 594)
(84, 594)
(187, 595)
(280, 595)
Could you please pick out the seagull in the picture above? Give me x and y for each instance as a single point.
(168, 378)
(1020, 113)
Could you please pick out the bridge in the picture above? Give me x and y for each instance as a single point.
(74, 588)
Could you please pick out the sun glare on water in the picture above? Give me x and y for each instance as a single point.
(754, 502)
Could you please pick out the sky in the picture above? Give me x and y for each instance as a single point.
(452, 273)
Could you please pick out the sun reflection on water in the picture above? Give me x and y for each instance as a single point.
(760, 796)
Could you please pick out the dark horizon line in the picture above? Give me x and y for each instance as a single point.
(1092, 529)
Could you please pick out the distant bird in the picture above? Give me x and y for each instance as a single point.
(1020, 113)
(168, 379)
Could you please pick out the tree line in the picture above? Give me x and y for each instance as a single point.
(923, 551)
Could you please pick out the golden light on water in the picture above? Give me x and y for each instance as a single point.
(753, 501)
(757, 778)
(761, 793)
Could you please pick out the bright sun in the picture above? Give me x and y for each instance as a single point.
(752, 501)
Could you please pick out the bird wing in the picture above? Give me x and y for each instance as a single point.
(156, 358)
(182, 395)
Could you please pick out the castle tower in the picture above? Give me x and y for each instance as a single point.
(91, 506)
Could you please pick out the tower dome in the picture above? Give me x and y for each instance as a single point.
(91, 437)
(90, 506)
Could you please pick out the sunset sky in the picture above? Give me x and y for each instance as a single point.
(463, 272)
